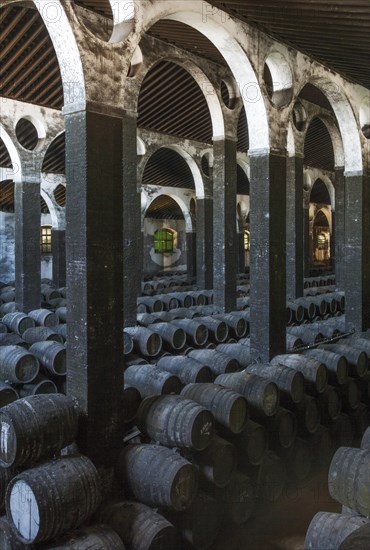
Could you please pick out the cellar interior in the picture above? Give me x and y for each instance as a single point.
(185, 275)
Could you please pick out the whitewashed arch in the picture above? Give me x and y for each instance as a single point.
(224, 36)
(197, 176)
(181, 203)
(335, 137)
(15, 173)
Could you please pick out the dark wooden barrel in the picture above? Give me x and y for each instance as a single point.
(61, 330)
(17, 365)
(149, 304)
(131, 400)
(146, 319)
(359, 343)
(139, 526)
(341, 431)
(314, 372)
(218, 362)
(128, 344)
(308, 306)
(251, 444)
(199, 524)
(271, 477)
(174, 336)
(357, 540)
(335, 363)
(146, 341)
(360, 419)
(36, 427)
(306, 333)
(169, 301)
(197, 333)
(199, 298)
(351, 395)
(8, 394)
(96, 537)
(293, 342)
(12, 339)
(298, 461)
(6, 474)
(187, 369)
(330, 404)
(295, 312)
(8, 297)
(237, 351)
(185, 299)
(62, 314)
(3, 328)
(41, 334)
(229, 408)
(349, 479)
(281, 429)
(18, 322)
(182, 313)
(176, 421)
(54, 498)
(48, 293)
(365, 441)
(357, 359)
(9, 307)
(328, 530)
(150, 380)
(44, 317)
(217, 328)
(217, 462)
(8, 537)
(327, 330)
(40, 385)
(289, 381)
(157, 476)
(238, 498)
(308, 415)
(238, 326)
(52, 356)
(262, 395)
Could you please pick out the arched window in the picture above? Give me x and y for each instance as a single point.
(164, 240)
(45, 237)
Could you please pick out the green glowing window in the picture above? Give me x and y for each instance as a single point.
(164, 240)
(45, 239)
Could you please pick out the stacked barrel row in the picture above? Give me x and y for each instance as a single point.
(49, 491)
(349, 484)
(50, 296)
(32, 355)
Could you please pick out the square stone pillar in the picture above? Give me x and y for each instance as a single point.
(294, 228)
(357, 251)
(191, 253)
(224, 224)
(94, 244)
(27, 245)
(204, 243)
(132, 241)
(268, 255)
(58, 249)
(339, 228)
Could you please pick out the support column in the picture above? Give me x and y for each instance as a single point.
(267, 255)
(307, 241)
(58, 249)
(132, 242)
(224, 223)
(204, 243)
(27, 245)
(240, 258)
(190, 253)
(339, 235)
(95, 277)
(294, 228)
(356, 251)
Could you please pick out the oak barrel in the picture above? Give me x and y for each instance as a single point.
(151, 380)
(157, 476)
(187, 369)
(218, 362)
(52, 356)
(229, 408)
(18, 322)
(44, 317)
(146, 341)
(8, 394)
(54, 498)
(289, 382)
(41, 334)
(17, 365)
(36, 427)
(328, 530)
(176, 421)
(96, 537)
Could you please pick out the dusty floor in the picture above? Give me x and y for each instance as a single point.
(282, 525)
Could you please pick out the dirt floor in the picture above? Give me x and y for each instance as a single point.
(282, 525)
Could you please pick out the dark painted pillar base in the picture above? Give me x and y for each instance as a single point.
(190, 253)
(294, 225)
(27, 246)
(224, 224)
(204, 243)
(240, 253)
(95, 279)
(267, 255)
(133, 249)
(307, 244)
(357, 251)
(58, 247)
